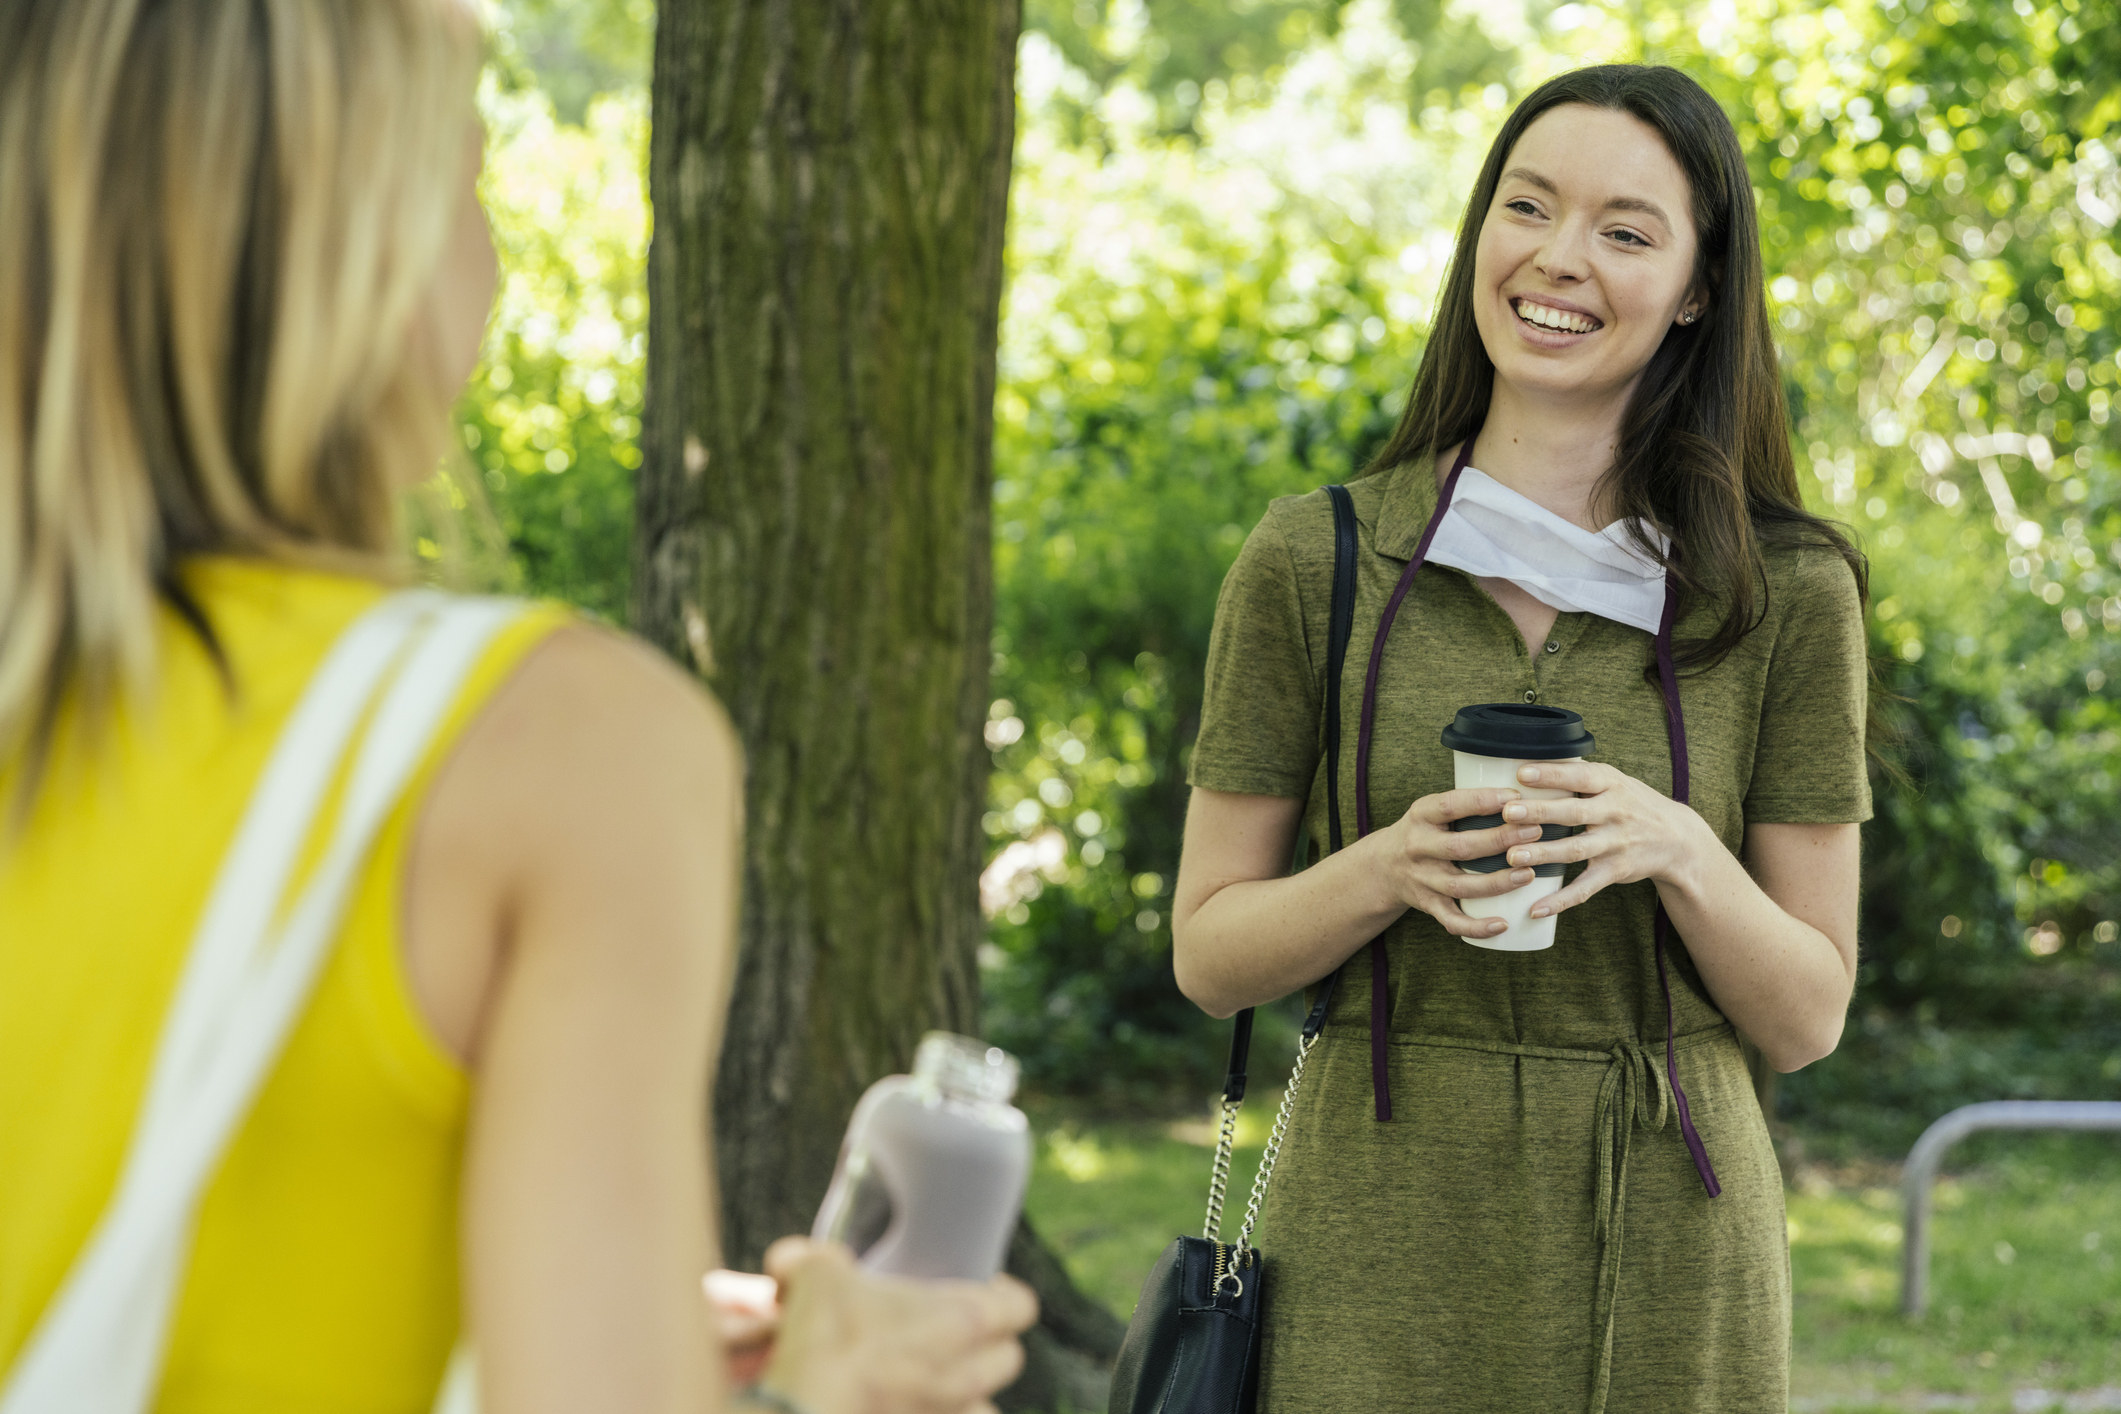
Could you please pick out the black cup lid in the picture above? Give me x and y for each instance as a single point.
(1522, 730)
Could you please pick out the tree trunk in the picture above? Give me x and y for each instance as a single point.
(1068, 1356)
(830, 180)
(830, 183)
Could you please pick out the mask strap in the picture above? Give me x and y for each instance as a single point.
(1675, 729)
(1380, 968)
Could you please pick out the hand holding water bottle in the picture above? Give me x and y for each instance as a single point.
(842, 1340)
(926, 1196)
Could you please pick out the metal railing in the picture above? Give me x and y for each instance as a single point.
(1928, 1153)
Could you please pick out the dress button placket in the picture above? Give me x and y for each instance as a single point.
(1551, 646)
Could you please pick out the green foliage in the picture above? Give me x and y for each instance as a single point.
(553, 415)
(574, 51)
(1115, 508)
(1186, 57)
(1175, 357)
(1938, 190)
(1177, 50)
(1455, 49)
(1896, 1072)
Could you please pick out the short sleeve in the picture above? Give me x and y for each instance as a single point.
(1259, 709)
(1808, 761)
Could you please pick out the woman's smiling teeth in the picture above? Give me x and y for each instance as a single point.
(1548, 317)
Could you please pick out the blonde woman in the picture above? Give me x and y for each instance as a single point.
(243, 275)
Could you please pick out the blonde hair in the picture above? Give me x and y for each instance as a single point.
(217, 222)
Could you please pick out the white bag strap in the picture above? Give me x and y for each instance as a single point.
(98, 1348)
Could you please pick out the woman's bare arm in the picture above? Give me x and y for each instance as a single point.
(571, 915)
(1245, 931)
(570, 925)
(1774, 937)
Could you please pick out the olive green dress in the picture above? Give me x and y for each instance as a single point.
(1527, 1234)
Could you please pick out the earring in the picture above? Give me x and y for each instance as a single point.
(1687, 318)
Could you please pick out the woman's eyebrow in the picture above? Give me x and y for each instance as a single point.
(1618, 203)
(1636, 203)
(1530, 178)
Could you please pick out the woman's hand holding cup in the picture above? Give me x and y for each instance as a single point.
(1630, 831)
(1425, 853)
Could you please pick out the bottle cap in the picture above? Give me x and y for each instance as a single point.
(1521, 730)
(965, 1068)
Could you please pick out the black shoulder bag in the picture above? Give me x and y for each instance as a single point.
(1193, 1345)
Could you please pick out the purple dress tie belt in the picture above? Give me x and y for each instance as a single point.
(1675, 729)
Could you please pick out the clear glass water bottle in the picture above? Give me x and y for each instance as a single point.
(932, 1172)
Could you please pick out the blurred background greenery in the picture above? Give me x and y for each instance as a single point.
(1229, 219)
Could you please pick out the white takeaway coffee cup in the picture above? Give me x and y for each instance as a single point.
(1488, 743)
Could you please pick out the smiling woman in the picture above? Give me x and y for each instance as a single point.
(1539, 1179)
(1576, 256)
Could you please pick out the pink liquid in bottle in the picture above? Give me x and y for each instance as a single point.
(931, 1175)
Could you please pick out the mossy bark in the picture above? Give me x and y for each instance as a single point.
(830, 182)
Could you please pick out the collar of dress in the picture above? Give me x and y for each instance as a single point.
(1493, 532)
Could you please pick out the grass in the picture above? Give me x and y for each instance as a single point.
(2025, 1285)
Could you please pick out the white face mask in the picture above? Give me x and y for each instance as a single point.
(1493, 532)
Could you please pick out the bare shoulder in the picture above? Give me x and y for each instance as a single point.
(589, 700)
(596, 801)
(598, 735)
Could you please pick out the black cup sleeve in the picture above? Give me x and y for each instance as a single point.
(1496, 863)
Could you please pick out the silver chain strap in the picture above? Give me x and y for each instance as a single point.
(1273, 1150)
(1220, 1183)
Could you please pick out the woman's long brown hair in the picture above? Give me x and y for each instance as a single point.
(1704, 448)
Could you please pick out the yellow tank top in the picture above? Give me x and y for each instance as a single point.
(324, 1273)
